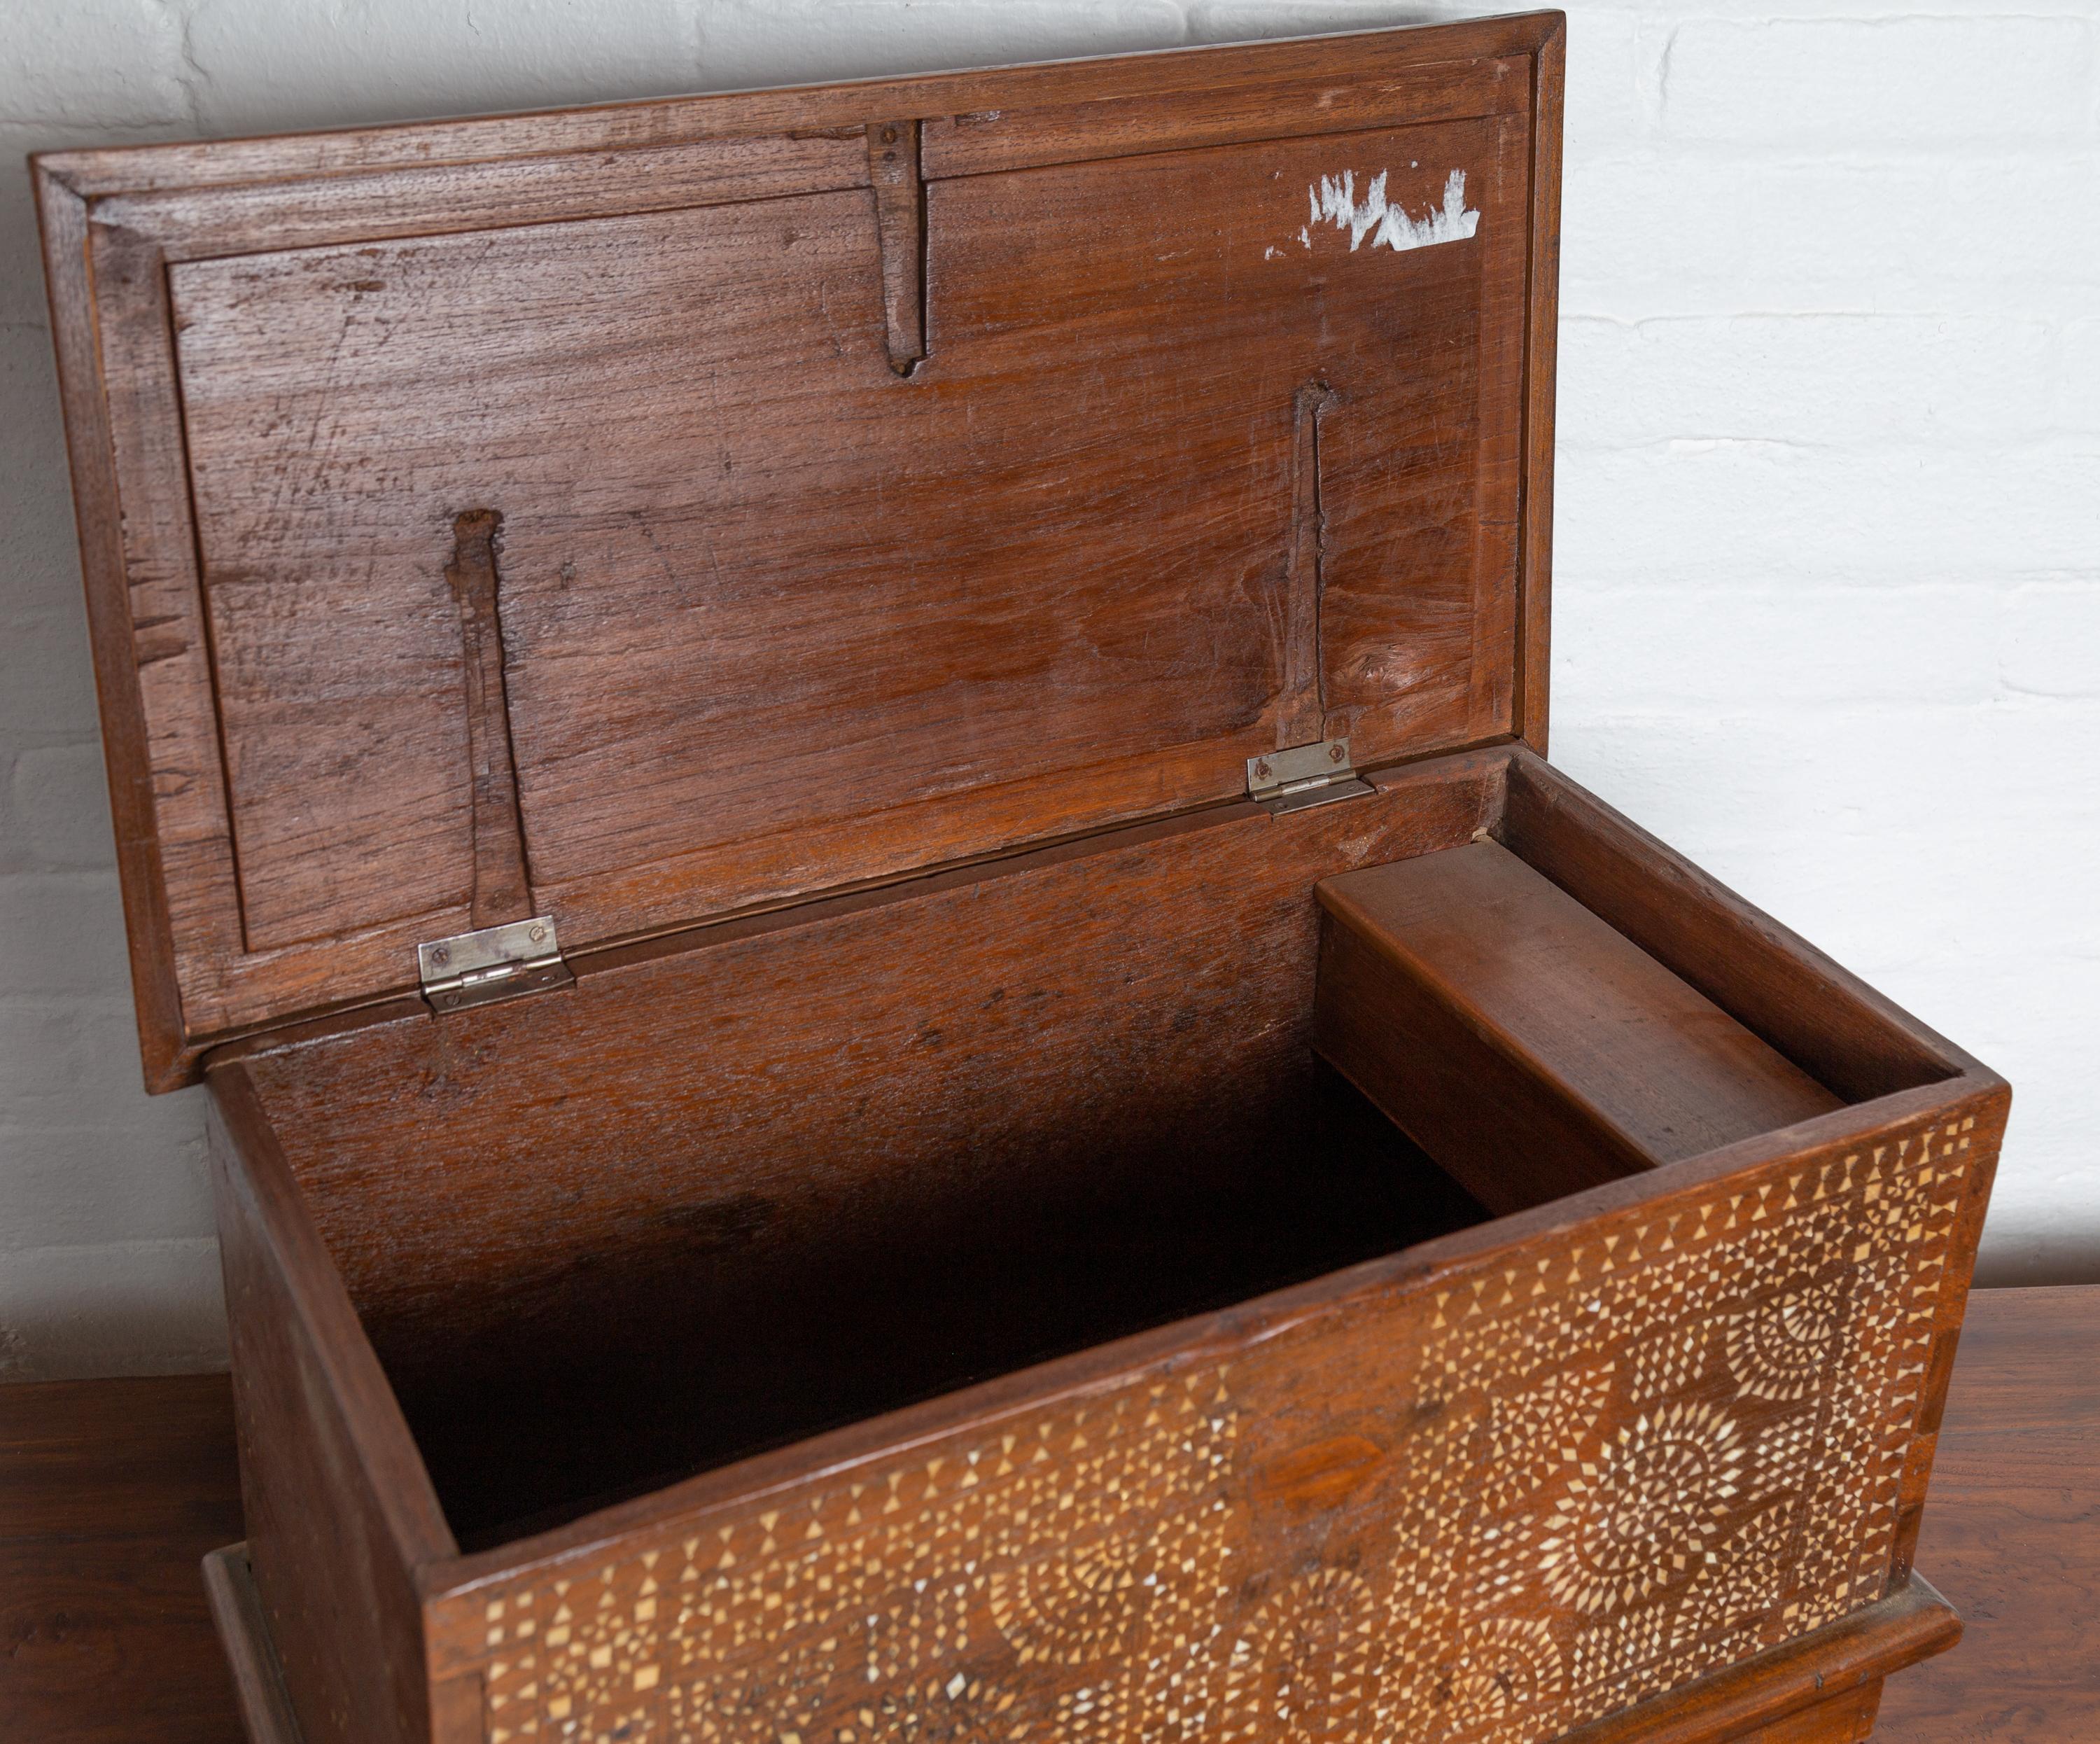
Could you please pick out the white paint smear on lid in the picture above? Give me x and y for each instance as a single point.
(1334, 201)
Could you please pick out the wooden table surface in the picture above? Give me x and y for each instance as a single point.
(110, 1492)
(2012, 1532)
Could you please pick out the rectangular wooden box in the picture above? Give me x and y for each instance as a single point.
(844, 791)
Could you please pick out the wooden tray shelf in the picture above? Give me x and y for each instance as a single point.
(1526, 1043)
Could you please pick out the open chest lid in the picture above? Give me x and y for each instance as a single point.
(629, 516)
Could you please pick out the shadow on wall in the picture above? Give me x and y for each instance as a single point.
(2018, 1259)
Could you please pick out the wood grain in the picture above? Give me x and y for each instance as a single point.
(672, 1085)
(918, 500)
(147, 1469)
(1822, 1689)
(2012, 1530)
(110, 1492)
(166, 636)
(1031, 135)
(661, 343)
(1542, 303)
(1099, 563)
(1431, 70)
(1301, 711)
(339, 1512)
(1157, 1110)
(1777, 985)
(266, 1716)
(502, 891)
(441, 199)
(127, 757)
(1502, 1024)
(1846, 1718)
(1401, 1352)
(900, 224)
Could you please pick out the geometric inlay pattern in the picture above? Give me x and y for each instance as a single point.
(1600, 1463)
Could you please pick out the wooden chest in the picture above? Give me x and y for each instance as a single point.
(844, 791)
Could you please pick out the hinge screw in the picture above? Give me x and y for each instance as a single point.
(440, 955)
(1261, 768)
(1333, 754)
(537, 934)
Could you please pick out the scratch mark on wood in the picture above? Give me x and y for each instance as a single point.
(1334, 201)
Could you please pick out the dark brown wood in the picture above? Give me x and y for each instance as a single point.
(1775, 982)
(281, 210)
(1521, 1040)
(502, 892)
(110, 1491)
(1308, 1342)
(1820, 1689)
(900, 222)
(149, 927)
(244, 1633)
(823, 1238)
(1098, 558)
(1534, 650)
(1301, 715)
(147, 1469)
(733, 1199)
(2012, 1531)
(1431, 63)
(1848, 1719)
(306, 372)
(340, 1515)
(988, 138)
(1489, 1116)
(1950, 1313)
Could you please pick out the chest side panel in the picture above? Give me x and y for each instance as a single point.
(1524, 1493)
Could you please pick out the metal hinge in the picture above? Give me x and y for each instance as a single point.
(498, 962)
(1305, 775)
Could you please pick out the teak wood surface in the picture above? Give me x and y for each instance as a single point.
(480, 1237)
(872, 477)
(1004, 1236)
(110, 1492)
(1554, 1035)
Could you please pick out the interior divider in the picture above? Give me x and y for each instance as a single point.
(1524, 1042)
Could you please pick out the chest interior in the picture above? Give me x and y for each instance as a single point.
(833, 1161)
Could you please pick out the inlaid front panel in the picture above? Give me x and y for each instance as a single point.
(1571, 1475)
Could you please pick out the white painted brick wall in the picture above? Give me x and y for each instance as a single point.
(1829, 606)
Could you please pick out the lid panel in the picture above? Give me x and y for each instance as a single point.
(1418, 474)
(754, 583)
(615, 391)
(880, 475)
